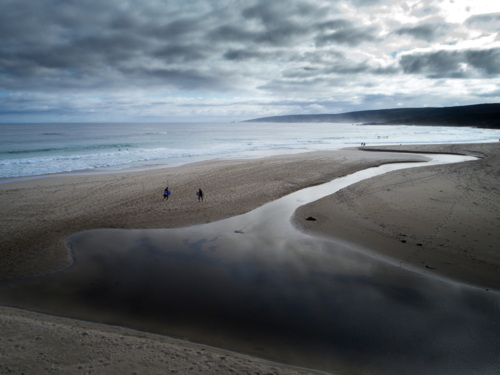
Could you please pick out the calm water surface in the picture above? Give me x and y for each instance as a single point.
(254, 284)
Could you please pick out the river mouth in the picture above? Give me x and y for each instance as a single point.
(254, 285)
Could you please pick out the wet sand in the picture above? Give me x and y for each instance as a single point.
(442, 220)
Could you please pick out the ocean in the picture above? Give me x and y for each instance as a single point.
(40, 149)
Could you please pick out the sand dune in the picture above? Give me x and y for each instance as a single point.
(32, 343)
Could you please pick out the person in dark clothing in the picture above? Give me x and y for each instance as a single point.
(166, 193)
(200, 195)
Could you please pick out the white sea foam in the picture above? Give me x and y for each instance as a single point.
(36, 149)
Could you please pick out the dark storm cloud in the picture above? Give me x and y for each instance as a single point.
(453, 64)
(427, 32)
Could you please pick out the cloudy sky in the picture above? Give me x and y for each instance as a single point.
(230, 60)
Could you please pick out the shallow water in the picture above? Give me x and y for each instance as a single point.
(40, 149)
(254, 284)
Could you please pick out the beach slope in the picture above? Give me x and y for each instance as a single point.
(442, 220)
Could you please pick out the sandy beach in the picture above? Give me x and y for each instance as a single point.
(442, 220)
(34, 343)
(38, 214)
(451, 211)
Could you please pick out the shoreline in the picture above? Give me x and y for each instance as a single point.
(130, 168)
(442, 220)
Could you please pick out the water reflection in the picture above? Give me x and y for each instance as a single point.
(253, 284)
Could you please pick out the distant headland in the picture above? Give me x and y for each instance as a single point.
(479, 115)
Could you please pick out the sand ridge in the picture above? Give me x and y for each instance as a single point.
(443, 219)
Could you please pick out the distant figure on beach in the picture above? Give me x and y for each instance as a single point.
(166, 193)
(200, 195)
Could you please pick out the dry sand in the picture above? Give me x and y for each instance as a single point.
(32, 343)
(442, 220)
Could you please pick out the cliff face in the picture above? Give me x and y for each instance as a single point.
(481, 115)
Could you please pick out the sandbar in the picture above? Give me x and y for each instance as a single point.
(442, 220)
(38, 214)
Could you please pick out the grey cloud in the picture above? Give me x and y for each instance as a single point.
(230, 33)
(278, 35)
(186, 79)
(486, 61)
(367, 3)
(276, 27)
(180, 53)
(341, 67)
(350, 36)
(335, 25)
(453, 64)
(247, 54)
(273, 12)
(94, 46)
(266, 11)
(427, 32)
(388, 70)
(490, 94)
(184, 27)
(441, 63)
(424, 11)
(85, 54)
(322, 57)
(489, 21)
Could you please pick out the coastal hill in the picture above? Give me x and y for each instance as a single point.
(479, 115)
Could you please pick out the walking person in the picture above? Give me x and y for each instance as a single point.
(166, 193)
(200, 195)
